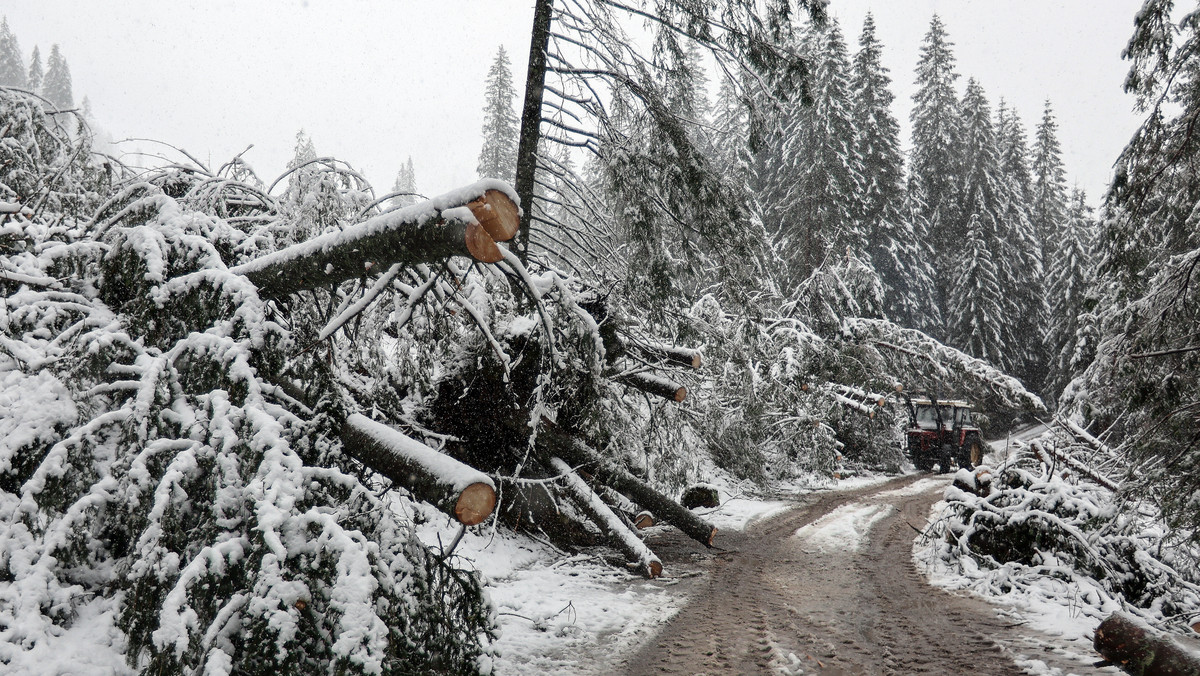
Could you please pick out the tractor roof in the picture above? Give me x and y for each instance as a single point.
(942, 402)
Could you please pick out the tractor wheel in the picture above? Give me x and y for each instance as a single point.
(973, 451)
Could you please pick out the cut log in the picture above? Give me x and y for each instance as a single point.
(554, 442)
(447, 225)
(635, 551)
(652, 384)
(1140, 651)
(457, 489)
(643, 520)
(678, 356)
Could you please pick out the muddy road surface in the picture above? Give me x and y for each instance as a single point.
(830, 588)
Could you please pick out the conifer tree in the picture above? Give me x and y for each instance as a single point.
(12, 65)
(934, 167)
(729, 127)
(57, 85)
(36, 74)
(498, 157)
(976, 302)
(826, 207)
(1049, 183)
(981, 277)
(1071, 277)
(405, 185)
(890, 239)
(1024, 275)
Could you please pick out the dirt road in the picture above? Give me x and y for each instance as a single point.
(842, 597)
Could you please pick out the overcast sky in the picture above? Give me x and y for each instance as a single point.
(375, 81)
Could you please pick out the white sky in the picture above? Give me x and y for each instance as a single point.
(374, 81)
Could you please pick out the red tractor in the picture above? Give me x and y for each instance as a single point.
(942, 433)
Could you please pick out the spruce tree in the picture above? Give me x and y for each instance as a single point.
(1023, 277)
(498, 157)
(36, 74)
(405, 185)
(976, 302)
(935, 170)
(1049, 183)
(57, 85)
(825, 211)
(12, 65)
(981, 276)
(1070, 278)
(891, 242)
(729, 127)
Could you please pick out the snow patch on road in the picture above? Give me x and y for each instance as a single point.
(736, 514)
(845, 528)
(916, 488)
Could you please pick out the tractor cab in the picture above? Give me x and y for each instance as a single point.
(943, 433)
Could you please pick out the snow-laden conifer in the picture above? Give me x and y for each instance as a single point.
(1049, 201)
(891, 242)
(57, 85)
(1071, 276)
(498, 157)
(36, 74)
(976, 301)
(405, 185)
(12, 64)
(934, 162)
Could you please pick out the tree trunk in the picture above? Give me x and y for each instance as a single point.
(635, 551)
(465, 222)
(652, 384)
(1139, 651)
(458, 490)
(676, 356)
(554, 442)
(531, 117)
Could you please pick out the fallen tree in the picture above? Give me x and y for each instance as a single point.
(1140, 651)
(453, 487)
(465, 222)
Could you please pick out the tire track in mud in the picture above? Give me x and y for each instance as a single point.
(774, 603)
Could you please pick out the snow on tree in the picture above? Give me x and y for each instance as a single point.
(976, 298)
(1143, 385)
(729, 134)
(825, 215)
(891, 241)
(12, 64)
(36, 74)
(405, 186)
(57, 85)
(498, 157)
(1072, 275)
(1025, 288)
(1049, 202)
(934, 168)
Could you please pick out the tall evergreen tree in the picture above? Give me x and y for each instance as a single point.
(1049, 183)
(981, 276)
(891, 242)
(12, 65)
(934, 166)
(36, 74)
(976, 301)
(1024, 275)
(826, 207)
(405, 185)
(1070, 279)
(729, 122)
(498, 157)
(57, 85)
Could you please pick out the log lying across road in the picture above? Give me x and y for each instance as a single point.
(465, 222)
(457, 489)
(554, 442)
(1140, 651)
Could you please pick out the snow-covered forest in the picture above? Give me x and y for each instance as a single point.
(248, 419)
